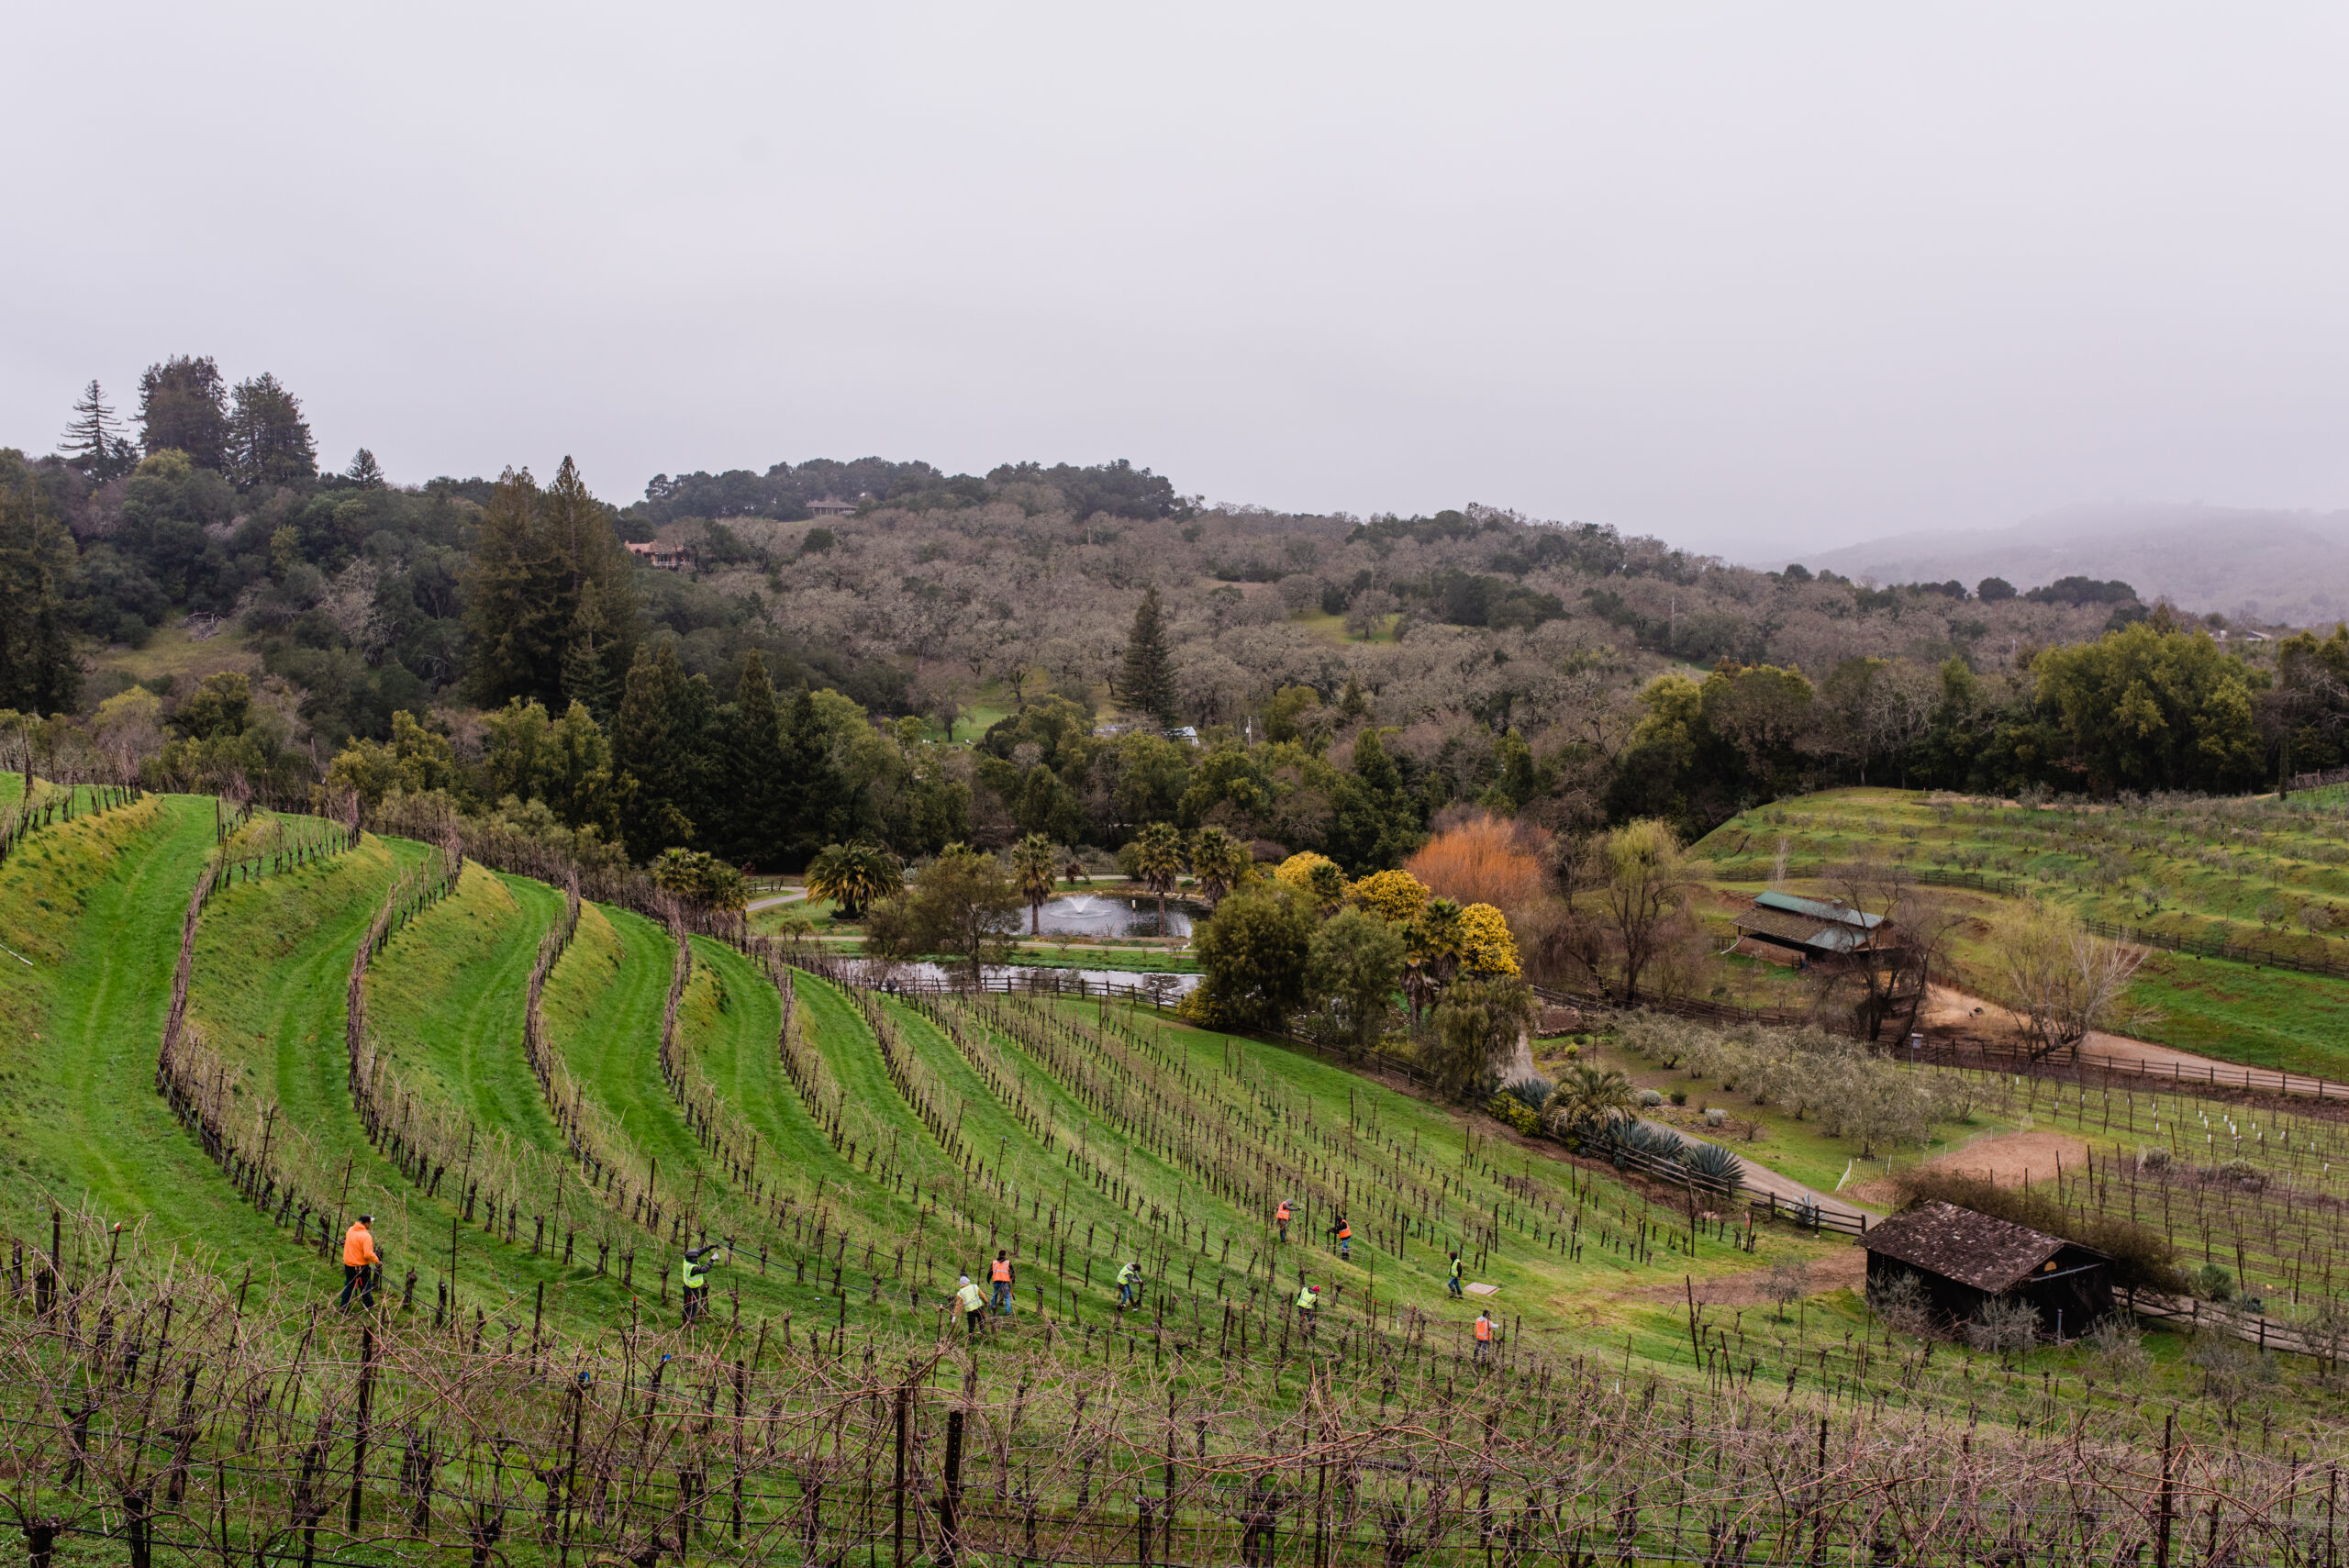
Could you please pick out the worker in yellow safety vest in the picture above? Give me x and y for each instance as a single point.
(972, 1303)
(693, 1278)
(1309, 1302)
(1453, 1284)
(1000, 1274)
(1130, 1284)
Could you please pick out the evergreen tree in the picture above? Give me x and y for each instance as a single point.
(268, 441)
(40, 671)
(661, 748)
(183, 408)
(95, 443)
(597, 586)
(812, 807)
(517, 621)
(756, 831)
(1146, 683)
(363, 471)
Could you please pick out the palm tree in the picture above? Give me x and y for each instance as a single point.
(1158, 862)
(855, 875)
(1031, 862)
(1589, 1095)
(1221, 861)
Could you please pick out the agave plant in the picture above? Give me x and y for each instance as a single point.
(1712, 1167)
(1530, 1092)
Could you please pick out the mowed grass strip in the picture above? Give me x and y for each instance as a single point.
(445, 1000)
(96, 905)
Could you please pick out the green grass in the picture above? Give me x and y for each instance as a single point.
(2260, 872)
(96, 906)
(445, 1004)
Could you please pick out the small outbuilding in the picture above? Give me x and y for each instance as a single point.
(1965, 1259)
(1815, 928)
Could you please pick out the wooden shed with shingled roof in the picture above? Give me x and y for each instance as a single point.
(1965, 1259)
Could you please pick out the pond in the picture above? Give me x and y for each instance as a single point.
(1092, 914)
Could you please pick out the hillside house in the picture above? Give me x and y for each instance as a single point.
(667, 558)
(831, 507)
(1965, 1259)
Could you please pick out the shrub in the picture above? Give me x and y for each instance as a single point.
(2242, 1171)
(1505, 1106)
(1715, 1116)
(1651, 1099)
(2212, 1282)
(1901, 1304)
(1679, 1096)
(2004, 1328)
(2155, 1160)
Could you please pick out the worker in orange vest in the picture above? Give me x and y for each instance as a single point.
(1000, 1272)
(1484, 1334)
(1280, 1217)
(360, 1261)
(1346, 1240)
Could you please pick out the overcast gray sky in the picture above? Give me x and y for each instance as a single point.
(1817, 272)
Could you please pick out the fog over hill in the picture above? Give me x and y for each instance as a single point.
(2290, 566)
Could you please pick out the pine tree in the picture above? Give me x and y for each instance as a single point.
(517, 623)
(183, 408)
(649, 736)
(95, 443)
(814, 808)
(365, 472)
(268, 441)
(1146, 683)
(756, 831)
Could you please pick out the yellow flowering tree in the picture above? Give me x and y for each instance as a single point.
(1396, 896)
(1486, 945)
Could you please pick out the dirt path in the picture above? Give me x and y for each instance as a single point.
(1949, 1009)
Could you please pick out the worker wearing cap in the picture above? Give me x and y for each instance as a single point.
(999, 1273)
(1130, 1284)
(1484, 1334)
(1309, 1302)
(359, 1263)
(1280, 1217)
(1345, 1233)
(973, 1304)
